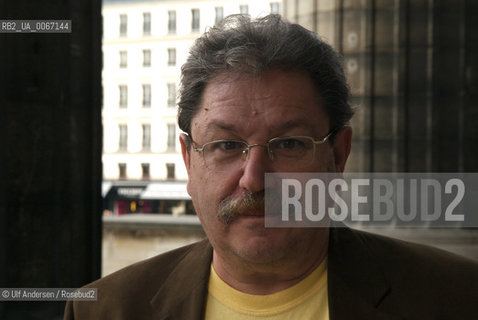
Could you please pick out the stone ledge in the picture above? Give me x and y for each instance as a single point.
(152, 222)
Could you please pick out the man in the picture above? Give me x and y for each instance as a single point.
(267, 96)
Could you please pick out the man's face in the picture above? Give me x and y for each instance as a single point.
(255, 110)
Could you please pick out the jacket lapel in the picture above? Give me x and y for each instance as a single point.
(356, 283)
(183, 295)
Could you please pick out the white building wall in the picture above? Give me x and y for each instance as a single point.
(158, 75)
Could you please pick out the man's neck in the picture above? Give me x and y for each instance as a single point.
(263, 279)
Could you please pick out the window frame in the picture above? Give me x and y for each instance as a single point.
(244, 9)
(145, 171)
(146, 103)
(195, 20)
(122, 170)
(171, 57)
(170, 171)
(172, 24)
(123, 59)
(123, 137)
(171, 102)
(146, 137)
(219, 14)
(146, 23)
(123, 28)
(146, 62)
(123, 96)
(171, 142)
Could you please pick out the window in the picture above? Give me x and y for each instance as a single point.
(123, 98)
(244, 9)
(146, 95)
(123, 137)
(171, 57)
(219, 13)
(146, 136)
(122, 170)
(146, 58)
(171, 137)
(275, 7)
(123, 59)
(195, 20)
(123, 25)
(171, 94)
(172, 21)
(145, 169)
(146, 23)
(170, 171)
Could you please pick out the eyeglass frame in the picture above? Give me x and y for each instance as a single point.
(247, 150)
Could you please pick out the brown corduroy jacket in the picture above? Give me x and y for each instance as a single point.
(369, 277)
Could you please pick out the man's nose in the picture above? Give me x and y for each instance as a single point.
(255, 167)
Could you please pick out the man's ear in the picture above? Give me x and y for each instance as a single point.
(342, 145)
(185, 149)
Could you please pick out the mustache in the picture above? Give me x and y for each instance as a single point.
(231, 208)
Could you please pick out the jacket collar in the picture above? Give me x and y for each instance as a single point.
(356, 282)
(185, 290)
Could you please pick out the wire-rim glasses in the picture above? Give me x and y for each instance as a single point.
(286, 152)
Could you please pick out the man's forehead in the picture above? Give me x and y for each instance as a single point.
(268, 84)
(275, 101)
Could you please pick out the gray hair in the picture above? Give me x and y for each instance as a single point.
(241, 45)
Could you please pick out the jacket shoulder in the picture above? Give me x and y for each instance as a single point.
(417, 256)
(398, 278)
(142, 270)
(426, 279)
(124, 293)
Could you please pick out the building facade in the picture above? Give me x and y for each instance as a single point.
(144, 45)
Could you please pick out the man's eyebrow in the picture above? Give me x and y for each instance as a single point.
(292, 124)
(220, 125)
(280, 128)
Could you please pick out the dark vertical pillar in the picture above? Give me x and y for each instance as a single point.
(357, 46)
(51, 169)
(418, 79)
(412, 68)
(453, 60)
(470, 89)
(447, 84)
(3, 185)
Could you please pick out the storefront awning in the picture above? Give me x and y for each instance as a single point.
(165, 191)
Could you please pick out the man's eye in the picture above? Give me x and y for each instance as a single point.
(228, 146)
(289, 144)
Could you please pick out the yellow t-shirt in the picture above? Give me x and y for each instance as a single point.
(305, 300)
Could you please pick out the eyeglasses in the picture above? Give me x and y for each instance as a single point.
(287, 153)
